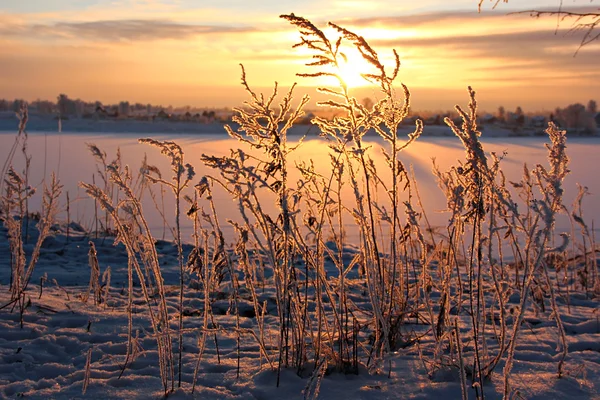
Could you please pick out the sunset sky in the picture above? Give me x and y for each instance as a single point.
(184, 52)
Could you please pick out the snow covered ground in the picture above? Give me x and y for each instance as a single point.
(47, 357)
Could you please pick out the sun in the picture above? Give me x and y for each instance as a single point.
(351, 70)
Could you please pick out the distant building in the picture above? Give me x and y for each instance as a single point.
(488, 119)
(539, 121)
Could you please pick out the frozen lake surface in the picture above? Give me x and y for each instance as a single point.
(67, 155)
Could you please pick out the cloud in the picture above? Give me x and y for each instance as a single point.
(540, 48)
(115, 30)
(143, 30)
(488, 47)
(461, 19)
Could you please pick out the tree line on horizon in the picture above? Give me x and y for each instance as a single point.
(64, 106)
(575, 117)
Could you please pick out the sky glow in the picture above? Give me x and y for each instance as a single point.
(183, 52)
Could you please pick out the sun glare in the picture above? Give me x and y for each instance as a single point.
(352, 69)
(351, 75)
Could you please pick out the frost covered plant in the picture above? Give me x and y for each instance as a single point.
(549, 184)
(134, 233)
(329, 334)
(12, 204)
(346, 133)
(94, 285)
(106, 283)
(589, 275)
(471, 179)
(23, 116)
(102, 171)
(247, 178)
(87, 371)
(144, 183)
(481, 209)
(182, 175)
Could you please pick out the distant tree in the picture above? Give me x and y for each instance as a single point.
(208, 114)
(17, 104)
(592, 107)
(518, 118)
(4, 105)
(44, 106)
(114, 111)
(367, 102)
(61, 103)
(575, 116)
(79, 108)
(519, 110)
(65, 105)
(501, 114)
